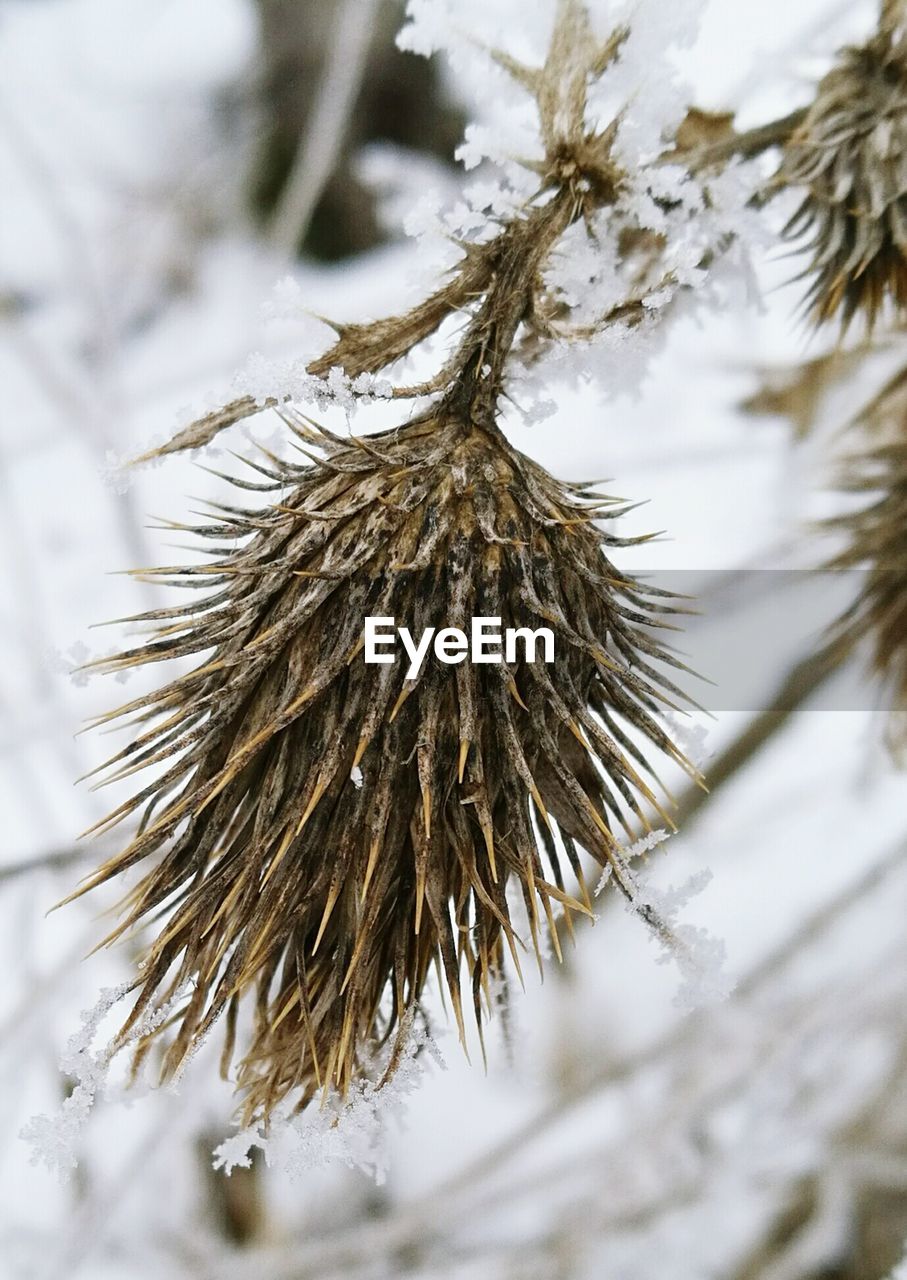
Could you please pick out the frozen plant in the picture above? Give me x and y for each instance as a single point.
(321, 836)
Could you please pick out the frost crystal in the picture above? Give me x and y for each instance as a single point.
(286, 301)
(115, 473)
(690, 737)
(699, 956)
(644, 845)
(54, 1139)
(265, 379)
(352, 1132)
(668, 233)
(70, 663)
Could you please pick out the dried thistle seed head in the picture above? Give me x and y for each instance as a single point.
(851, 156)
(877, 536)
(332, 895)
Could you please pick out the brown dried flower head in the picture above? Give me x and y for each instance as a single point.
(325, 830)
(322, 831)
(850, 154)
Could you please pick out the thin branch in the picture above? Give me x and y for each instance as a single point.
(894, 13)
(56, 860)
(425, 1219)
(804, 680)
(746, 146)
(320, 146)
(798, 686)
(775, 962)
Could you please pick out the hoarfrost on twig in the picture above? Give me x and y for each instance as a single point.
(699, 956)
(54, 1139)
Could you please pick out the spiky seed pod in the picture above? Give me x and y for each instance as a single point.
(877, 544)
(332, 895)
(851, 156)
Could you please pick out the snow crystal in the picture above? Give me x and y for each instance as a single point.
(645, 844)
(399, 178)
(54, 1139)
(699, 956)
(539, 410)
(267, 379)
(116, 473)
(422, 219)
(285, 302)
(646, 75)
(700, 219)
(691, 737)
(352, 1132)
(71, 663)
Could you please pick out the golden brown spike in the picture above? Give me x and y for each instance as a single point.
(333, 895)
(461, 760)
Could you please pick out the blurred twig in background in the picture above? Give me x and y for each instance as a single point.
(332, 81)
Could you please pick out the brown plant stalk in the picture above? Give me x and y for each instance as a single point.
(322, 833)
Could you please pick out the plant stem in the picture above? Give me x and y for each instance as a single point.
(746, 145)
(794, 691)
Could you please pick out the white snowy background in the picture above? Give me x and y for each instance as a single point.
(615, 1136)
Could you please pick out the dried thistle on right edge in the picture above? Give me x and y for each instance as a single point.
(850, 154)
